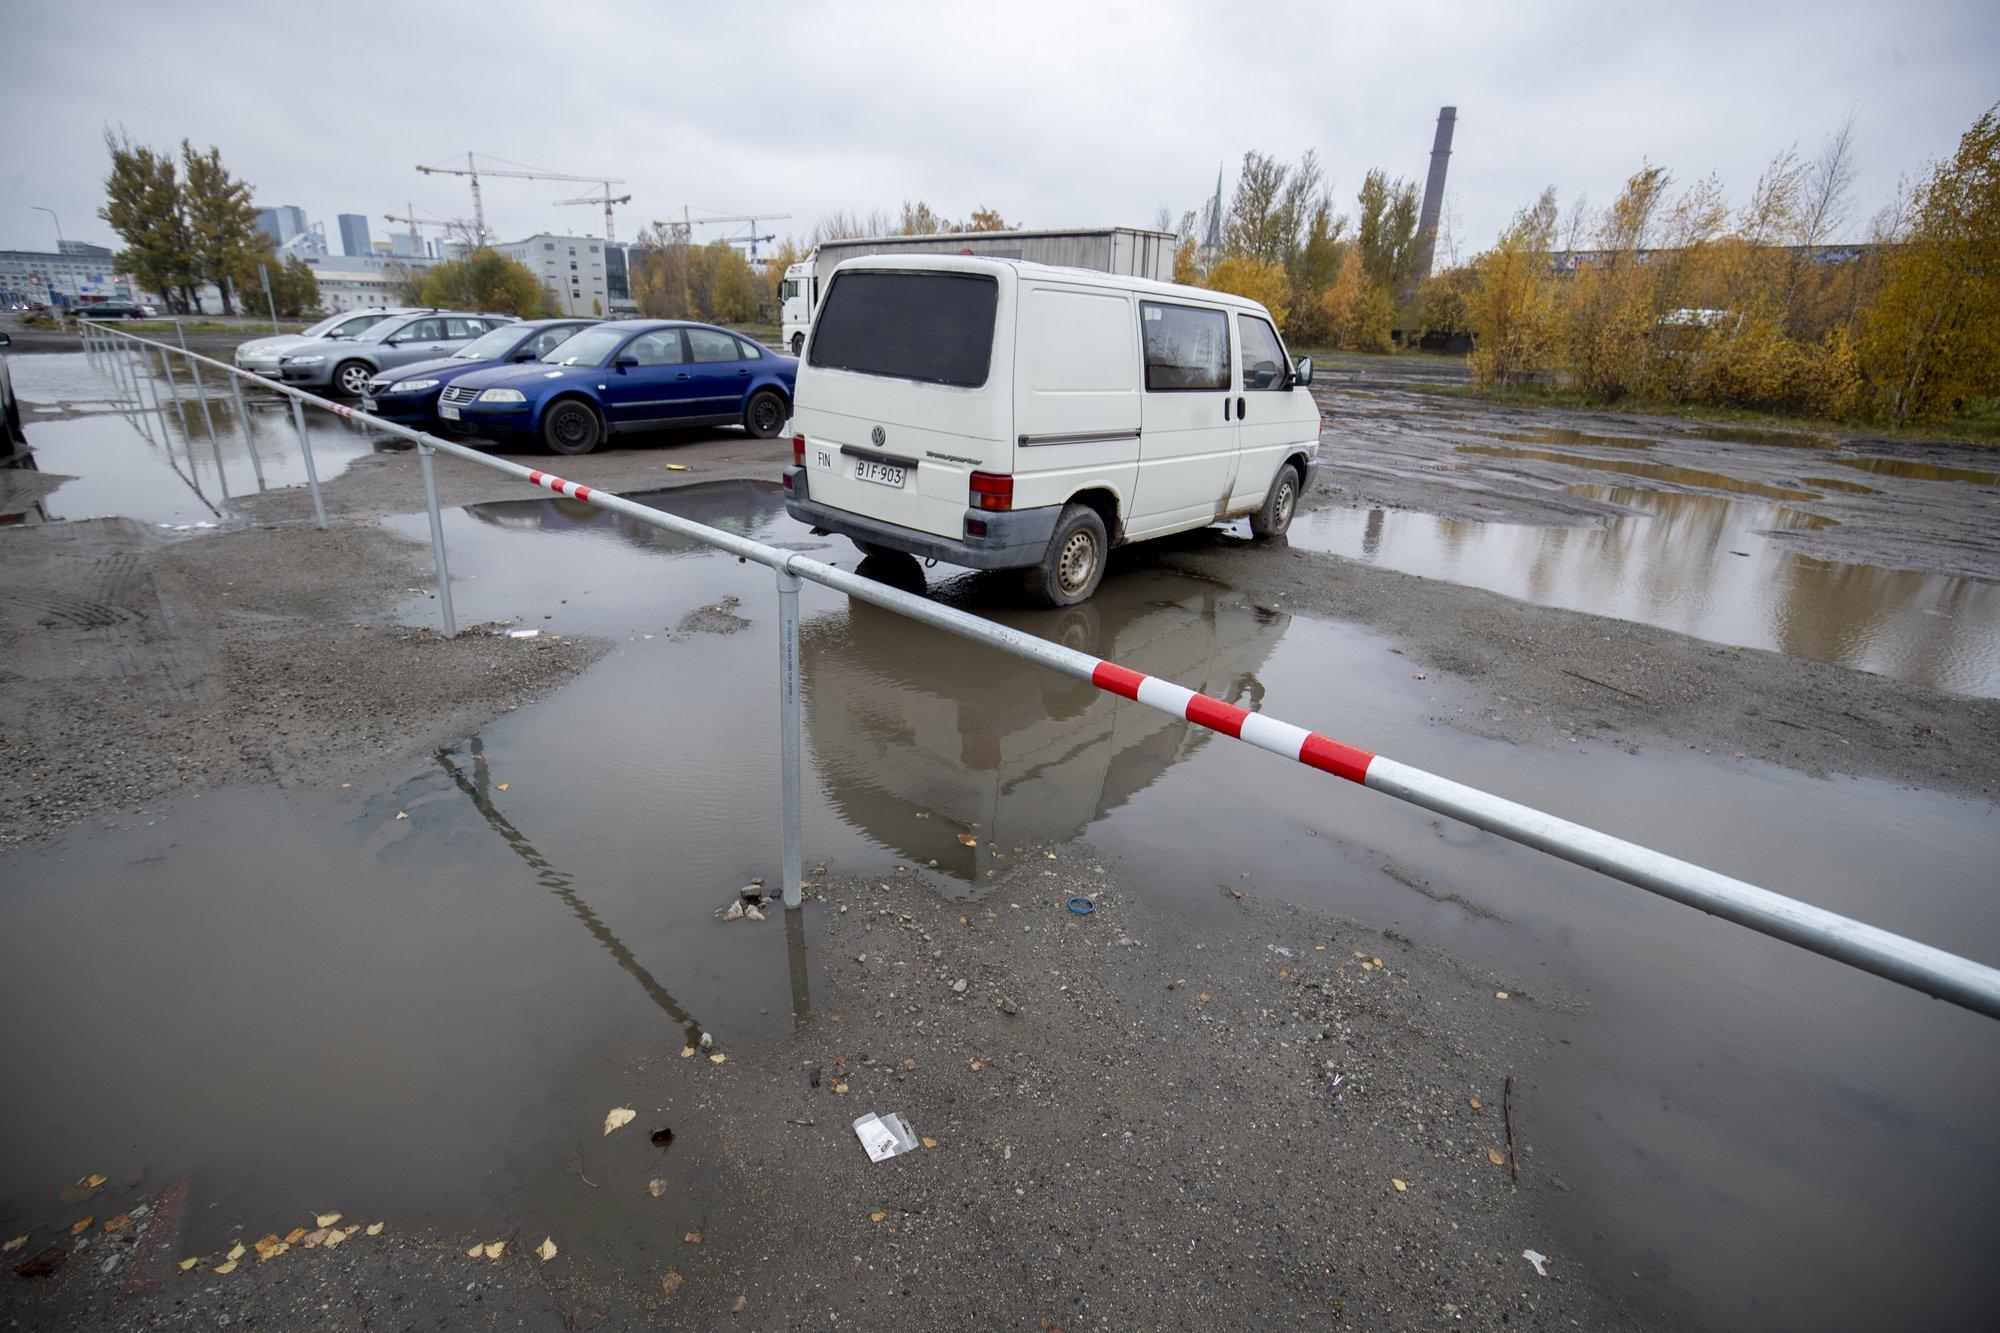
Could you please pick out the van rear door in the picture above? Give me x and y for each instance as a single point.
(902, 394)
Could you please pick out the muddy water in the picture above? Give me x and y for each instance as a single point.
(297, 995)
(1668, 472)
(1912, 470)
(163, 466)
(1702, 565)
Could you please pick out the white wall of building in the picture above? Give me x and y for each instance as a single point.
(571, 269)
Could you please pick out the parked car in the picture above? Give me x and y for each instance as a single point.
(260, 356)
(999, 414)
(116, 310)
(345, 365)
(409, 394)
(629, 375)
(11, 435)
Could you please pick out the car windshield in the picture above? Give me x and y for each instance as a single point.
(379, 332)
(588, 348)
(491, 346)
(326, 326)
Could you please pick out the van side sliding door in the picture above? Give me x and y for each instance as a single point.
(1187, 446)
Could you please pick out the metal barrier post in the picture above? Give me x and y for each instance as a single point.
(249, 438)
(424, 452)
(174, 388)
(788, 734)
(312, 473)
(194, 368)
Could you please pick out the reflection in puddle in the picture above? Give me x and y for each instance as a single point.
(164, 466)
(1682, 476)
(1699, 564)
(1574, 438)
(1840, 484)
(1915, 471)
(1783, 439)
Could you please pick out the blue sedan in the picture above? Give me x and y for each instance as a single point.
(632, 375)
(408, 395)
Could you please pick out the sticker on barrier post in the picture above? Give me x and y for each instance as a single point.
(884, 1136)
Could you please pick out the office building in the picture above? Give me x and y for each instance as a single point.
(282, 223)
(79, 272)
(570, 267)
(354, 239)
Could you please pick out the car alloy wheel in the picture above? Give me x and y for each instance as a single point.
(353, 379)
(767, 414)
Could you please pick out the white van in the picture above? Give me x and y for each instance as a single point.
(999, 414)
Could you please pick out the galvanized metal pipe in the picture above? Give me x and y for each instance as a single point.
(306, 452)
(437, 540)
(792, 858)
(200, 390)
(249, 436)
(1921, 967)
(174, 387)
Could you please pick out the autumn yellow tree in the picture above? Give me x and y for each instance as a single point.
(1932, 339)
(1260, 280)
(1511, 306)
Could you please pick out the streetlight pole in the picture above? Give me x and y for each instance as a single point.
(59, 250)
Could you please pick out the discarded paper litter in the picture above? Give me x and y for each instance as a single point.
(884, 1136)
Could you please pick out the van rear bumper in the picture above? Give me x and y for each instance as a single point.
(1013, 539)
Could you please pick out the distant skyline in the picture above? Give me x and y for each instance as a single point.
(1057, 115)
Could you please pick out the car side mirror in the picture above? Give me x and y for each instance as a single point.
(626, 362)
(1302, 373)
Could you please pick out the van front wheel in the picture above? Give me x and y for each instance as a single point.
(1279, 506)
(1071, 568)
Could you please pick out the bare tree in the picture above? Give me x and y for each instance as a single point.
(1827, 193)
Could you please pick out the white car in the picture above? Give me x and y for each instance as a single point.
(999, 414)
(260, 356)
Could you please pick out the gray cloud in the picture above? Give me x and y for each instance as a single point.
(1056, 114)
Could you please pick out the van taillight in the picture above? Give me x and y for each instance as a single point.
(992, 491)
(798, 451)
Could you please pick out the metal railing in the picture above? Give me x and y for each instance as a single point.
(1907, 962)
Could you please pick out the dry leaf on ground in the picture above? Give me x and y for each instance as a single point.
(546, 1250)
(476, 1250)
(189, 1263)
(494, 1250)
(1400, 1186)
(930, 1143)
(82, 1226)
(741, 1301)
(968, 840)
(235, 1252)
(717, 1058)
(1475, 1103)
(1495, 1156)
(375, 1230)
(878, 1216)
(229, 1267)
(13, 1245)
(671, 1281)
(618, 1117)
(693, 1237)
(326, 1219)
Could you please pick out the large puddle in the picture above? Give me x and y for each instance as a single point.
(165, 465)
(1702, 565)
(1668, 472)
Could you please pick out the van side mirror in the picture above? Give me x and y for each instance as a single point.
(1302, 373)
(626, 362)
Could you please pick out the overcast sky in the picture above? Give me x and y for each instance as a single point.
(1059, 114)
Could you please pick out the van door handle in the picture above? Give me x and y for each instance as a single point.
(1240, 405)
(1225, 409)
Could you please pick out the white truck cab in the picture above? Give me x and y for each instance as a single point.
(796, 304)
(998, 414)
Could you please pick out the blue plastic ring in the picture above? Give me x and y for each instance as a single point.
(1082, 906)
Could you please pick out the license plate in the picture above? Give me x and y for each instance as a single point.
(882, 474)
(367, 404)
(447, 411)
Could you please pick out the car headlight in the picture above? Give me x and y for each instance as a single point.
(303, 360)
(502, 396)
(413, 386)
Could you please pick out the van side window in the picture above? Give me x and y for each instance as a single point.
(1263, 354)
(1186, 347)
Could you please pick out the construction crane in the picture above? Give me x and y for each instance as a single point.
(688, 223)
(473, 171)
(410, 219)
(607, 199)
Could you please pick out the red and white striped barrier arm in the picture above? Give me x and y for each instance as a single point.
(1266, 733)
(551, 481)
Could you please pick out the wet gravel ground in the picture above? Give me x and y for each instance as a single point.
(1128, 1119)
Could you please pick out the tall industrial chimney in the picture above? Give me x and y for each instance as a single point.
(1427, 219)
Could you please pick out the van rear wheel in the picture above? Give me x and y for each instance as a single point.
(1276, 516)
(1070, 570)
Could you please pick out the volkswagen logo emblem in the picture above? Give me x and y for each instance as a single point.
(877, 435)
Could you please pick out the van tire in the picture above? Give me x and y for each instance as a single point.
(798, 344)
(1070, 570)
(1275, 516)
(570, 428)
(765, 415)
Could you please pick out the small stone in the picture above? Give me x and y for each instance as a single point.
(707, 1042)
(753, 890)
(753, 914)
(1008, 1007)
(735, 911)
(958, 987)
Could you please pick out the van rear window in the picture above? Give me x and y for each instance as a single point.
(936, 328)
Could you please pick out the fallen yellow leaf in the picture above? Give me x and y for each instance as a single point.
(717, 1058)
(82, 1226)
(236, 1252)
(1495, 1156)
(13, 1245)
(296, 1235)
(978, 1065)
(547, 1249)
(693, 1237)
(92, 1182)
(189, 1263)
(314, 1238)
(930, 1143)
(1499, 995)
(840, 1088)
(493, 1250)
(402, 814)
(229, 1267)
(336, 1235)
(670, 1281)
(503, 786)
(686, 1051)
(1400, 1186)
(741, 1301)
(968, 840)
(617, 1118)
(272, 1253)
(477, 1250)
(1475, 1103)
(656, 1187)
(326, 1219)
(878, 1216)
(375, 1230)
(1377, 962)
(677, 467)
